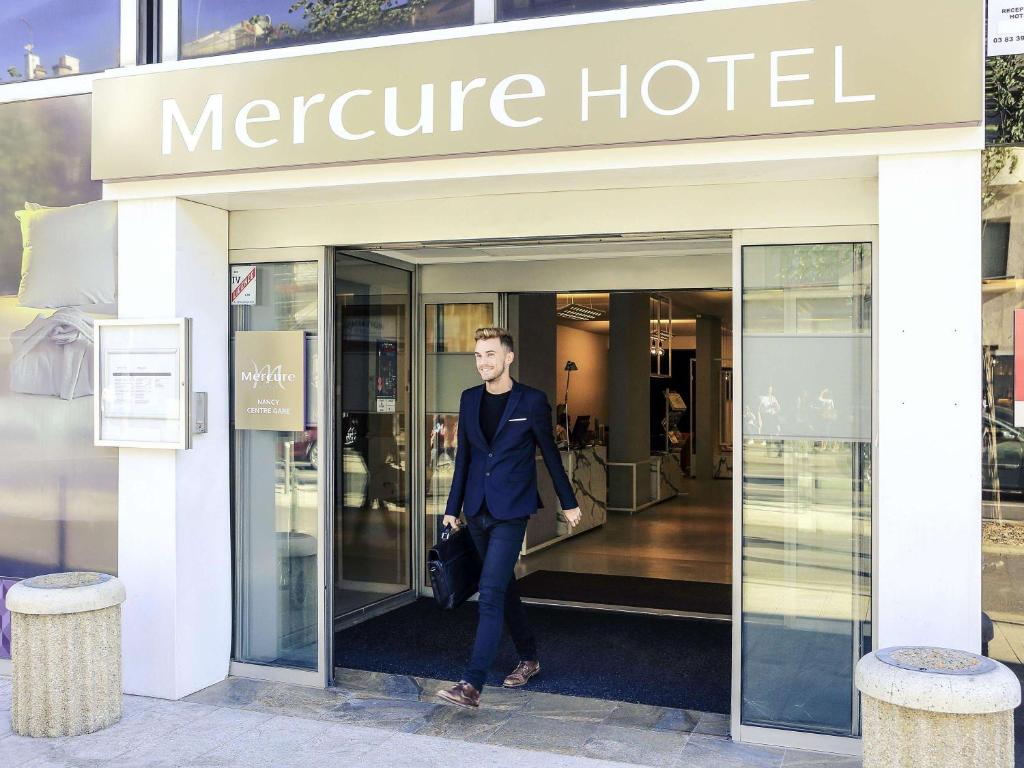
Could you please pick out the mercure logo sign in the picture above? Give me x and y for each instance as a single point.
(667, 89)
(267, 375)
(688, 72)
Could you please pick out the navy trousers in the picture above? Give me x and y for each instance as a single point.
(498, 542)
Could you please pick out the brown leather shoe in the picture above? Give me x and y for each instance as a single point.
(521, 674)
(462, 694)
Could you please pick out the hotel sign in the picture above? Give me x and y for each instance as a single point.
(270, 380)
(1005, 27)
(803, 66)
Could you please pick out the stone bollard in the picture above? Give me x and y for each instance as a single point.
(65, 653)
(936, 708)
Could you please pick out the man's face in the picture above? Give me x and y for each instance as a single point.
(491, 359)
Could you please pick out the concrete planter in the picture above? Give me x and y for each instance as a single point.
(936, 708)
(65, 653)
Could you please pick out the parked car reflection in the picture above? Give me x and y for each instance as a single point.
(1002, 456)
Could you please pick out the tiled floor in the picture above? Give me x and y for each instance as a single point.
(395, 721)
(688, 538)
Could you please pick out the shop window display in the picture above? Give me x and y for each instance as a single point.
(58, 492)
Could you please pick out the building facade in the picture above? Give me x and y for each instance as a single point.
(820, 159)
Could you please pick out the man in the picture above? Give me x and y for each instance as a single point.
(495, 484)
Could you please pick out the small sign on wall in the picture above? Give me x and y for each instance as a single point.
(270, 380)
(1005, 27)
(243, 285)
(143, 379)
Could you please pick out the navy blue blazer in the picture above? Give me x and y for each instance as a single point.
(505, 472)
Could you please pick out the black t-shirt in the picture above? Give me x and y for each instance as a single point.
(492, 407)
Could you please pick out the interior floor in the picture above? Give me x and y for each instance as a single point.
(687, 538)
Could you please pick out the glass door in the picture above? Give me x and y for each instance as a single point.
(373, 508)
(450, 322)
(805, 417)
(276, 332)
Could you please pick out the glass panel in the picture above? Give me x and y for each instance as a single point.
(276, 494)
(58, 492)
(53, 38)
(524, 9)
(210, 28)
(806, 484)
(450, 368)
(1002, 423)
(44, 161)
(372, 519)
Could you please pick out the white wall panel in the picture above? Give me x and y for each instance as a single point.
(928, 299)
(174, 546)
(822, 202)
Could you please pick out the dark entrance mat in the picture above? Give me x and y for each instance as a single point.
(635, 591)
(668, 662)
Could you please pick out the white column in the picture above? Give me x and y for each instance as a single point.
(928, 462)
(174, 547)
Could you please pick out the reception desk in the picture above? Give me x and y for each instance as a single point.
(588, 469)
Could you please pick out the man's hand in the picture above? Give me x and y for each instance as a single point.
(573, 516)
(451, 520)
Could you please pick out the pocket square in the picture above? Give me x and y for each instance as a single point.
(519, 419)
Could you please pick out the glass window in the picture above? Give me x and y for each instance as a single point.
(53, 38)
(450, 368)
(58, 492)
(209, 28)
(1002, 419)
(276, 492)
(373, 517)
(524, 9)
(806, 484)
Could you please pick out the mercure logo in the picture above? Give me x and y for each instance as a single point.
(267, 375)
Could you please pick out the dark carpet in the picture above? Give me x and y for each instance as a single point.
(636, 591)
(664, 661)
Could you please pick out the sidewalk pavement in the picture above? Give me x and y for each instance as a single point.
(248, 724)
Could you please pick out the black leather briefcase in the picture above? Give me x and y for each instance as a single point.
(454, 568)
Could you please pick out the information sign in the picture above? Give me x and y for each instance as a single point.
(142, 379)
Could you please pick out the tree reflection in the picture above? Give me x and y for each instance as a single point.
(44, 158)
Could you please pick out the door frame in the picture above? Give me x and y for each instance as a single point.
(779, 737)
(323, 675)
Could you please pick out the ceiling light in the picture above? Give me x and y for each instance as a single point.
(574, 311)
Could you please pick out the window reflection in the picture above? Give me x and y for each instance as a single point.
(211, 28)
(58, 492)
(276, 496)
(53, 38)
(806, 483)
(373, 521)
(450, 368)
(1002, 425)
(524, 9)
(806, 581)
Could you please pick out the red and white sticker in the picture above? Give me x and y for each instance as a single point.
(243, 285)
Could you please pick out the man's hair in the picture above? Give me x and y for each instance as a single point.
(496, 333)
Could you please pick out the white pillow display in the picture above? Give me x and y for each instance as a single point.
(69, 255)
